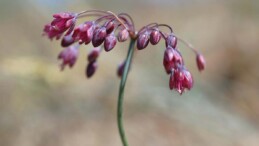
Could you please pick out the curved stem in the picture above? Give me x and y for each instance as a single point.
(121, 93)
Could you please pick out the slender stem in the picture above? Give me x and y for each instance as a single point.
(121, 93)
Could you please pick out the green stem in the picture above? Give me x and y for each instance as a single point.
(121, 93)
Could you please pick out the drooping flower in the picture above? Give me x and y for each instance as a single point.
(68, 56)
(106, 30)
(180, 79)
(61, 23)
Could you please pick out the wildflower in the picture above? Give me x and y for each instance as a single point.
(180, 79)
(68, 56)
(62, 22)
(106, 30)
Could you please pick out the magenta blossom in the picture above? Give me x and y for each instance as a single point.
(68, 56)
(180, 79)
(107, 30)
(61, 23)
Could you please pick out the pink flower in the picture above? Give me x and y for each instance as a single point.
(180, 79)
(84, 32)
(62, 22)
(68, 56)
(172, 58)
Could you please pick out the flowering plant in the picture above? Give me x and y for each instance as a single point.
(104, 32)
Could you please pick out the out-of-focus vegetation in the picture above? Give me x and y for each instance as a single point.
(41, 106)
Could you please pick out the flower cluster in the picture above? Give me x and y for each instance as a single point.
(106, 30)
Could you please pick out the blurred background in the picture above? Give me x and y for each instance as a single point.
(41, 106)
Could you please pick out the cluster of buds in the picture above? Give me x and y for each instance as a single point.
(106, 29)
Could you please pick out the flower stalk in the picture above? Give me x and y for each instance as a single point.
(121, 92)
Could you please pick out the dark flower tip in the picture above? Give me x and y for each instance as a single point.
(120, 68)
(94, 54)
(90, 69)
(67, 41)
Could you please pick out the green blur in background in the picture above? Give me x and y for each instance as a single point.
(41, 106)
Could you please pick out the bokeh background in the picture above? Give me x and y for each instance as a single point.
(41, 106)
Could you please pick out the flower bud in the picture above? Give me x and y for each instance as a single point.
(67, 41)
(200, 60)
(99, 36)
(143, 40)
(188, 80)
(109, 42)
(109, 27)
(172, 58)
(171, 41)
(94, 54)
(123, 35)
(155, 37)
(90, 69)
(168, 60)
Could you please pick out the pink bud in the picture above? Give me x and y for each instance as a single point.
(171, 41)
(168, 60)
(110, 42)
(200, 62)
(94, 54)
(172, 58)
(188, 80)
(143, 40)
(109, 27)
(91, 68)
(123, 35)
(155, 37)
(99, 36)
(67, 41)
